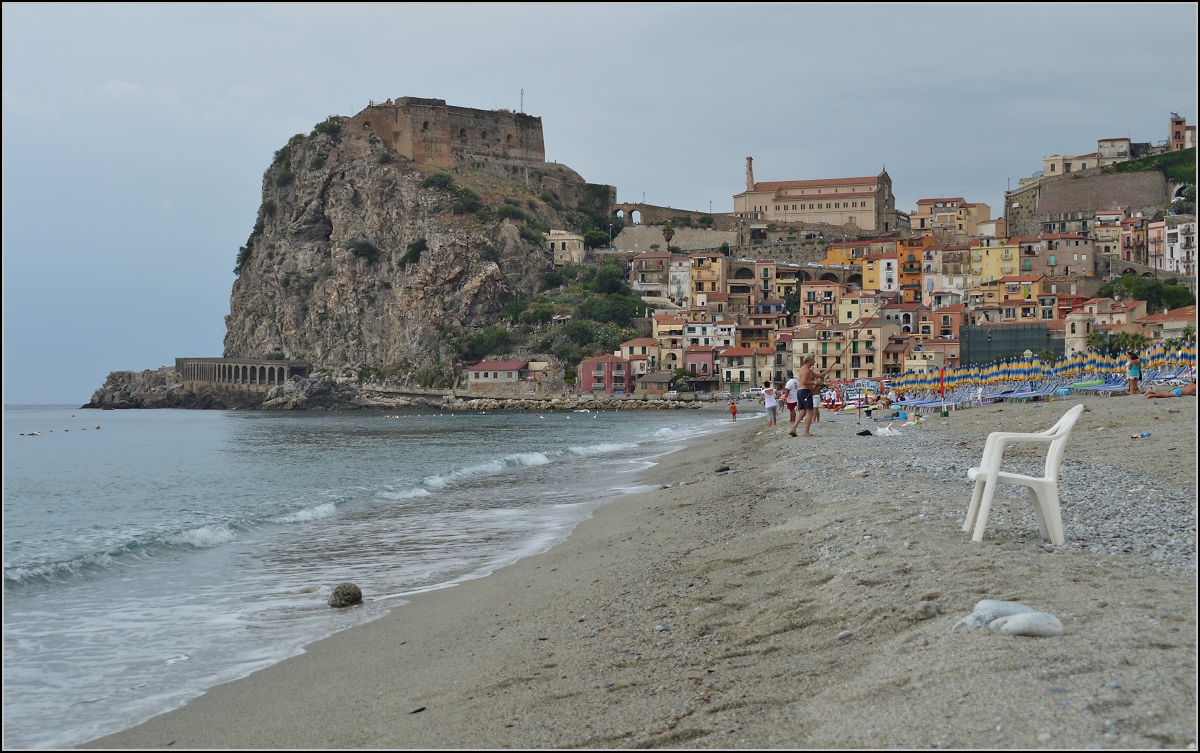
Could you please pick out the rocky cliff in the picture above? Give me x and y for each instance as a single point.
(151, 389)
(359, 264)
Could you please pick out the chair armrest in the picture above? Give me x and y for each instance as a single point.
(997, 441)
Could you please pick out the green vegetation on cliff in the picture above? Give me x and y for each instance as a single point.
(1159, 296)
(1178, 167)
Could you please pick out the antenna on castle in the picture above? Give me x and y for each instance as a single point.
(522, 100)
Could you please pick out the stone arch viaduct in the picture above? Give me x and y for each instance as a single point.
(236, 375)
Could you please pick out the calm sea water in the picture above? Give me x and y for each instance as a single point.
(163, 553)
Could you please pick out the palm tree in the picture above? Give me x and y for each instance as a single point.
(1096, 340)
(1047, 356)
(1189, 334)
(1132, 342)
(668, 234)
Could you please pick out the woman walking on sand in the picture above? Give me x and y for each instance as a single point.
(1133, 372)
(769, 400)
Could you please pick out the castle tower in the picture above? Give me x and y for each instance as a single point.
(749, 173)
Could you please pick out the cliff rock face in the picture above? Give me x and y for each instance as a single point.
(150, 389)
(353, 263)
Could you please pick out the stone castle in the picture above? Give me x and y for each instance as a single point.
(501, 142)
(428, 131)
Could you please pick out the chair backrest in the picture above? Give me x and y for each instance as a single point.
(1061, 431)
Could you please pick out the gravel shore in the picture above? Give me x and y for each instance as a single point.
(771, 605)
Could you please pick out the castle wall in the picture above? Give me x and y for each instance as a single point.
(429, 131)
(1084, 191)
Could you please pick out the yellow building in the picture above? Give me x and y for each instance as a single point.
(865, 304)
(567, 247)
(991, 256)
(949, 220)
(853, 252)
(707, 273)
(668, 331)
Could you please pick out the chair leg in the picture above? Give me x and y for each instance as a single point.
(985, 506)
(974, 508)
(1049, 495)
(1038, 511)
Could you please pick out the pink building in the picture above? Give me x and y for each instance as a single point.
(605, 375)
(702, 361)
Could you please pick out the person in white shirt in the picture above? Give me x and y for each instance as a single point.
(791, 394)
(769, 400)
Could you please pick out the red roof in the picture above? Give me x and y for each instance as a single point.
(605, 359)
(737, 352)
(821, 183)
(639, 341)
(1184, 314)
(931, 201)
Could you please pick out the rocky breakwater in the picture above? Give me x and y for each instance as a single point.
(565, 403)
(152, 389)
(321, 392)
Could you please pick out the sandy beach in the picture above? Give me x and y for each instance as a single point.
(764, 606)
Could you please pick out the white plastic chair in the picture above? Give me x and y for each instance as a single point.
(1043, 491)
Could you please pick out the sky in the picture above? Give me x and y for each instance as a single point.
(135, 135)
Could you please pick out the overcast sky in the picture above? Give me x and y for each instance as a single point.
(135, 136)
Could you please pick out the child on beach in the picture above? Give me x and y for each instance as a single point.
(733, 408)
(769, 400)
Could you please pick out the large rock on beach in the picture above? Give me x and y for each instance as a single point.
(344, 595)
(988, 611)
(1035, 624)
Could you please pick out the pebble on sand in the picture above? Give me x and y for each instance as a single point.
(1002, 608)
(1035, 624)
(923, 610)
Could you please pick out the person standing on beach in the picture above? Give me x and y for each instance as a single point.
(809, 379)
(791, 393)
(769, 400)
(1133, 372)
(733, 407)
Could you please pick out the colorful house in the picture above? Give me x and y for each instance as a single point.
(604, 375)
(737, 369)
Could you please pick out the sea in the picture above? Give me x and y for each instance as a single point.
(151, 554)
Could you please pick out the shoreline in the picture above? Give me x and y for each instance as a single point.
(708, 613)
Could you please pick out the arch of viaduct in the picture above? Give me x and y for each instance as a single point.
(745, 270)
(237, 374)
(649, 214)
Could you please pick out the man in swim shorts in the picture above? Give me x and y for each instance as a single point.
(809, 378)
(1187, 389)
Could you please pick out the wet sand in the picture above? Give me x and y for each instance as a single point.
(763, 606)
